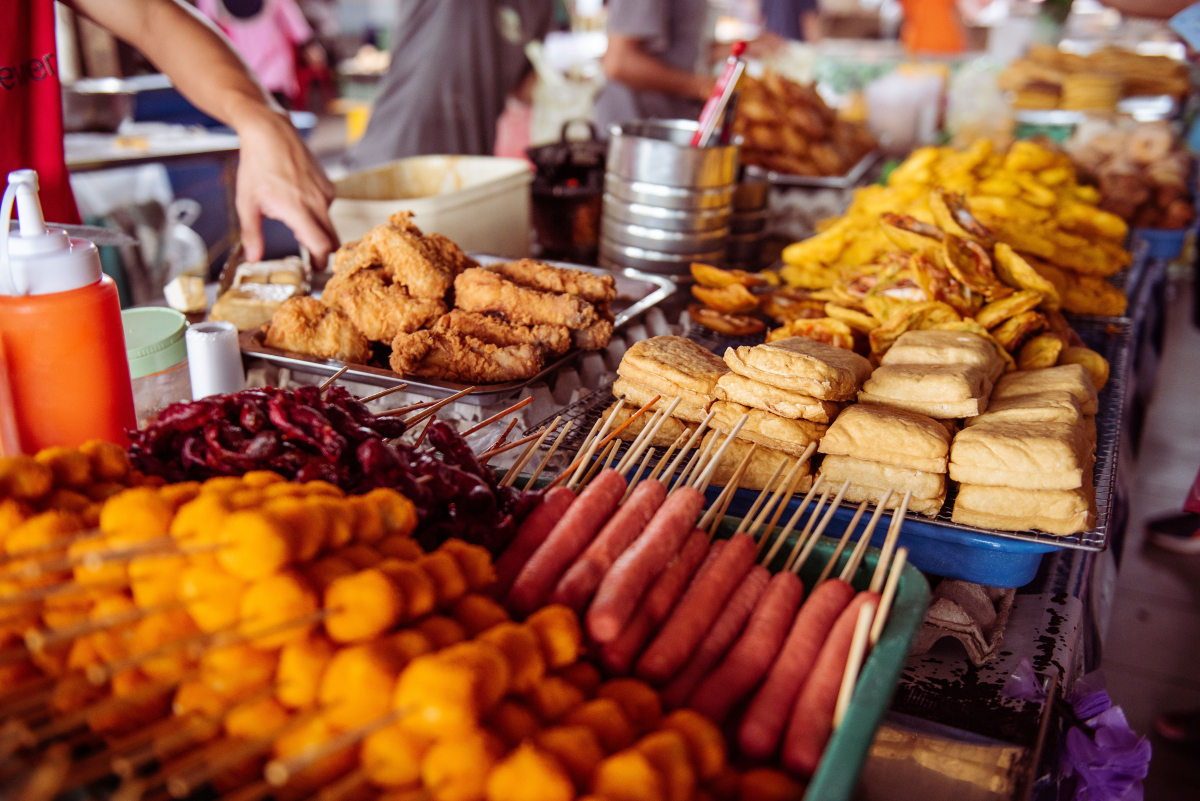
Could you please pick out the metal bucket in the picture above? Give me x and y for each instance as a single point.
(615, 256)
(669, 197)
(667, 219)
(658, 152)
(682, 242)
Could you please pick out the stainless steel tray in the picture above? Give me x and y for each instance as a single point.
(847, 181)
(636, 292)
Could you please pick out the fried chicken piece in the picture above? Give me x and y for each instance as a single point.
(452, 356)
(377, 306)
(480, 290)
(424, 265)
(537, 275)
(554, 339)
(597, 335)
(306, 325)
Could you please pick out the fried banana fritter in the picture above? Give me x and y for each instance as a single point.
(306, 325)
(554, 339)
(538, 275)
(452, 356)
(480, 290)
(379, 307)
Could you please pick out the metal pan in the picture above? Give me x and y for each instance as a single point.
(659, 152)
(671, 197)
(636, 292)
(667, 219)
(680, 242)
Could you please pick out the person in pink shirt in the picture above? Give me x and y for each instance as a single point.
(267, 34)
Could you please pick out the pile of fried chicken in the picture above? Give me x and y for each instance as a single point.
(442, 314)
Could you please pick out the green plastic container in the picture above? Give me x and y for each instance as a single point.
(837, 775)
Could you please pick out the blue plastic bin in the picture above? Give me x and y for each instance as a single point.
(1164, 243)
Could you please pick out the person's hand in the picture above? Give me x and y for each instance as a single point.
(703, 86)
(766, 44)
(279, 178)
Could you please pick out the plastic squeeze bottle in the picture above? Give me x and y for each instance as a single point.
(64, 376)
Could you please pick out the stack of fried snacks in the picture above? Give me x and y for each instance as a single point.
(1027, 463)
(786, 127)
(964, 229)
(1048, 78)
(877, 448)
(941, 374)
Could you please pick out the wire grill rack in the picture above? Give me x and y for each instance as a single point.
(1110, 337)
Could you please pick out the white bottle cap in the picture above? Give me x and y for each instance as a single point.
(36, 260)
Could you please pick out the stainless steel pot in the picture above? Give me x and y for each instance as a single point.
(614, 256)
(667, 219)
(657, 239)
(658, 152)
(670, 197)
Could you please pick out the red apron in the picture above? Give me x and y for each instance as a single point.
(31, 104)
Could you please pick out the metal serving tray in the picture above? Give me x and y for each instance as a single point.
(847, 181)
(636, 292)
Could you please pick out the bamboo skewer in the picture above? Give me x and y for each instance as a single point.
(501, 445)
(519, 465)
(328, 382)
(858, 646)
(346, 785)
(279, 771)
(889, 594)
(586, 443)
(62, 543)
(649, 432)
(889, 545)
(503, 438)
(404, 409)
(598, 464)
(718, 507)
(602, 442)
(431, 410)
(864, 540)
(485, 423)
(816, 535)
(691, 442)
(790, 525)
(841, 546)
(701, 483)
(637, 475)
(808, 526)
(666, 458)
(590, 445)
(553, 448)
(383, 393)
(762, 496)
(779, 499)
(693, 464)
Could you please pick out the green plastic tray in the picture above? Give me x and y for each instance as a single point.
(837, 774)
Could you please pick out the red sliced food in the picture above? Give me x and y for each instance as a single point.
(533, 532)
(566, 541)
(619, 653)
(765, 719)
(700, 605)
(635, 570)
(751, 656)
(580, 581)
(812, 716)
(723, 634)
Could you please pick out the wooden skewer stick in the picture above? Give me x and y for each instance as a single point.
(431, 410)
(637, 476)
(528, 453)
(185, 762)
(607, 439)
(485, 423)
(328, 382)
(587, 441)
(503, 438)
(250, 792)
(649, 432)
(279, 771)
(718, 507)
(60, 589)
(697, 458)
(404, 409)
(816, 536)
(666, 457)
(65, 723)
(705, 475)
(841, 546)
(159, 740)
(889, 545)
(598, 463)
(782, 507)
(791, 524)
(486, 456)
(889, 594)
(383, 393)
(348, 784)
(762, 497)
(779, 499)
(553, 448)
(863, 541)
(691, 443)
(858, 647)
(424, 431)
(591, 445)
(808, 527)
(40, 639)
(62, 543)
(735, 481)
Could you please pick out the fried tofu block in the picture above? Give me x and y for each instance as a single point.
(1058, 512)
(938, 391)
(1051, 406)
(673, 366)
(671, 429)
(769, 430)
(946, 347)
(692, 407)
(1072, 378)
(891, 436)
(783, 402)
(877, 475)
(760, 469)
(803, 365)
(1042, 456)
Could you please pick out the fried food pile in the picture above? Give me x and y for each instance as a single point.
(967, 228)
(442, 315)
(787, 127)
(1142, 170)
(1049, 78)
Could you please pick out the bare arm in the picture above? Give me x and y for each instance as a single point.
(626, 61)
(277, 175)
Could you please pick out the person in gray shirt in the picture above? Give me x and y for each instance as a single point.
(656, 61)
(453, 64)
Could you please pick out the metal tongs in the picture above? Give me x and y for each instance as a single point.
(720, 99)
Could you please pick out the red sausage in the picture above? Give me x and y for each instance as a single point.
(812, 716)
(580, 581)
(749, 660)
(532, 533)
(567, 540)
(720, 637)
(767, 716)
(693, 616)
(618, 654)
(635, 570)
